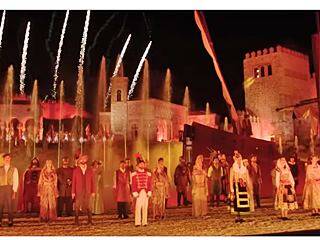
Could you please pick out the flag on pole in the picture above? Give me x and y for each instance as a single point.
(207, 42)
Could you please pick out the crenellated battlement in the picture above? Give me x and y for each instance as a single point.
(272, 50)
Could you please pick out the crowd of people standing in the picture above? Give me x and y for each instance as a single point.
(68, 191)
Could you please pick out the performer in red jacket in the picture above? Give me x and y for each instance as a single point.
(121, 186)
(83, 188)
(141, 190)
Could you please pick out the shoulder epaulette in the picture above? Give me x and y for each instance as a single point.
(134, 173)
(149, 174)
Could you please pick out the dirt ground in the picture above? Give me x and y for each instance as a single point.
(178, 222)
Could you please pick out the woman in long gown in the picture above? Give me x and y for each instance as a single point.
(249, 186)
(48, 192)
(286, 196)
(239, 188)
(311, 196)
(199, 189)
(97, 201)
(160, 190)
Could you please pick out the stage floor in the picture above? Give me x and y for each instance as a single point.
(179, 222)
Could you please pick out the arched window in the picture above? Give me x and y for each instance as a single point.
(262, 71)
(119, 96)
(269, 70)
(134, 131)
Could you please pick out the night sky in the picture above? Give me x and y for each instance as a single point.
(176, 44)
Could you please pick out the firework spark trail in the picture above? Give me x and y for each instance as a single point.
(95, 40)
(54, 93)
(136, 75)
(49, 37)
(83, 42)
(123, 51)
(2, 26)
(24, 59)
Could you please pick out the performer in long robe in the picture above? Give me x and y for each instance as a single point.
(64, 174)
(273, 179)
(294, 170)
(199, 189)
(182, 180)
(215, 173)
(121, 186)
(48, 192)
(30, 187)
(224, 177)
(249, 185)
(141, 190)
(239, 180)
(311, 196)
(160, 190)
(83, 188)
(286, 197)
(97, 201)
(256, 178)
(130, 166)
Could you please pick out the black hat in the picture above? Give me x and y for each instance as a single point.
(6, 155)
(140, 160)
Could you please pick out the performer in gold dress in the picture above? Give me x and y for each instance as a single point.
(199, 189)
(160, 190)
(48, 192)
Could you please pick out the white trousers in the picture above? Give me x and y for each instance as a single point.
(141, 208)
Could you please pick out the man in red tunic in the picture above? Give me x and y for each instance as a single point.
(121, 187)
(83, 188)
(182, 179)
(141, 190)
(30, 187)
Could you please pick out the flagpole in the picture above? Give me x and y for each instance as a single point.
(104, 139)
(59, 133)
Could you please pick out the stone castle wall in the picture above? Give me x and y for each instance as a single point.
(288, 83)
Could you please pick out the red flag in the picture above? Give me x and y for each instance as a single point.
(207, 42)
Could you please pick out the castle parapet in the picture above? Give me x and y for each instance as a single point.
(272, 50)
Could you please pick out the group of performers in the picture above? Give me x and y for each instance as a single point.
(67, 191)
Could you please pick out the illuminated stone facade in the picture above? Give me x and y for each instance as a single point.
(155, 119)
(274, 78)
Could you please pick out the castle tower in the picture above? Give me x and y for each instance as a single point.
(274, 78)
(119, 93)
